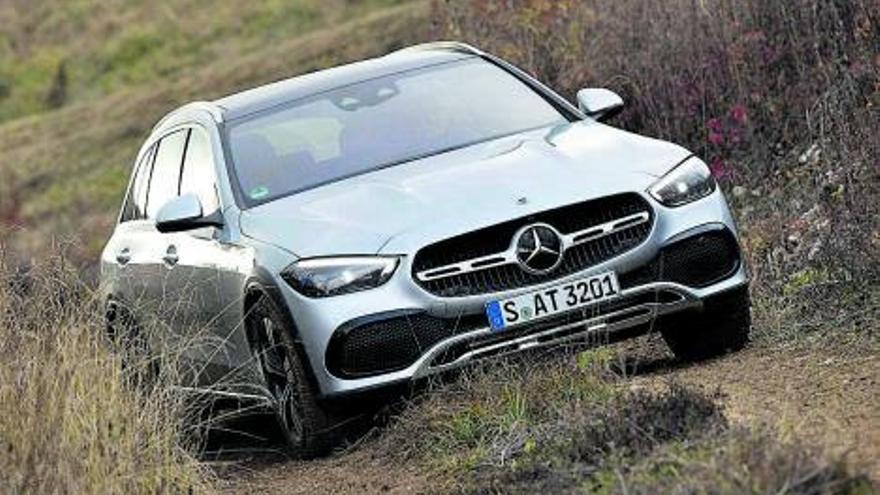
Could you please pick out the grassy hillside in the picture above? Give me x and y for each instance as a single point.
(53, 53)
(64, 171)
(69, 422)
(781, 98)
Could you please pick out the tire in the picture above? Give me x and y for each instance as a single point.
(721, 327)
(308, 428)
(127, 339)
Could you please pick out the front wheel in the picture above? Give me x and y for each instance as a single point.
(127, 338)
(723, 326)
(309, 429)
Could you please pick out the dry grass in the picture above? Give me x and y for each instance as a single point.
(73, 419)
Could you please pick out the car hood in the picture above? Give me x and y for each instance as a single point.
(401, 208)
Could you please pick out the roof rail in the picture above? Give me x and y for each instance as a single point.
(205, 106)
(451, 46)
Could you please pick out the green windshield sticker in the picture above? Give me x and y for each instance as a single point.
(259, 192)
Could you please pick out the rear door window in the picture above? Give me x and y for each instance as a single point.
(165, 181)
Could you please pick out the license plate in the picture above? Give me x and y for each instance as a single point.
(526, 308)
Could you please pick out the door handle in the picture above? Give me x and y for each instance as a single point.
(123, 256)
(171, 258)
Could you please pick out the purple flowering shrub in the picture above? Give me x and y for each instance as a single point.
(782, 99)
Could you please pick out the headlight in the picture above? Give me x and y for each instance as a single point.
(689, 181)
(324, 277)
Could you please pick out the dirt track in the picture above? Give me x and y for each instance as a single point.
(828, 398)
(825, 397)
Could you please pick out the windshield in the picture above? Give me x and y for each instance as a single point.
(379, 123)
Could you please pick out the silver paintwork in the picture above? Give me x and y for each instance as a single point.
(181, 209)
(597, 102)
(393, 211)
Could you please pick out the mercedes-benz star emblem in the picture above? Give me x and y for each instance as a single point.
(539, 249)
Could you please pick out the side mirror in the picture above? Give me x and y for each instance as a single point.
(599, 103)
(185, 213)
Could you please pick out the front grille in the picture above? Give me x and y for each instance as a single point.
(697, 261)
(390, 344)
(497, 238)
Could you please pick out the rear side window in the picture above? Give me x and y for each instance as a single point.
(136, 202)
(198, 171)
(165, 180)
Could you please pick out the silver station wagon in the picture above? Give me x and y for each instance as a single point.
(336, 233)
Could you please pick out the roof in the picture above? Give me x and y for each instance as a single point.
(263, 97)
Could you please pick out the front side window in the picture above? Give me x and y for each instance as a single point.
(136, 201)
(378, 123)
(198, 171)
(165, 181)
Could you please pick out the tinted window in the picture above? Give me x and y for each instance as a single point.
(165, 181)
(136, 201)
(381, 122)
(198, 171)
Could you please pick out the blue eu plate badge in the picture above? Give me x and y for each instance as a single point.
(493, 311)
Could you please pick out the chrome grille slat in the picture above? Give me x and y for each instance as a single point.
(591, 232)
(509, 256)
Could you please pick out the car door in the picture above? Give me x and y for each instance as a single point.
(207, 272)
(184, 287)
(160, 303)
(126, 254)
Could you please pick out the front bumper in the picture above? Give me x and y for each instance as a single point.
(644, 298)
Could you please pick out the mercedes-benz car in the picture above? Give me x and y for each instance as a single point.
(340, 232)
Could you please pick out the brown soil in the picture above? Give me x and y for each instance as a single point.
(356, 472)
(828, 398)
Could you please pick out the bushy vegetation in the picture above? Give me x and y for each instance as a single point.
(75, 414)
(780, 98)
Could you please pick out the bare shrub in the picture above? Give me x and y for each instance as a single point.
(72, 419)
(780, 98)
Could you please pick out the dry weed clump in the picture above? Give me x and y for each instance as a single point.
(780, 98)
(488, 413)
(72, 420)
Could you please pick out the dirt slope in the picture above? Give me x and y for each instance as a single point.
(826, 397)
